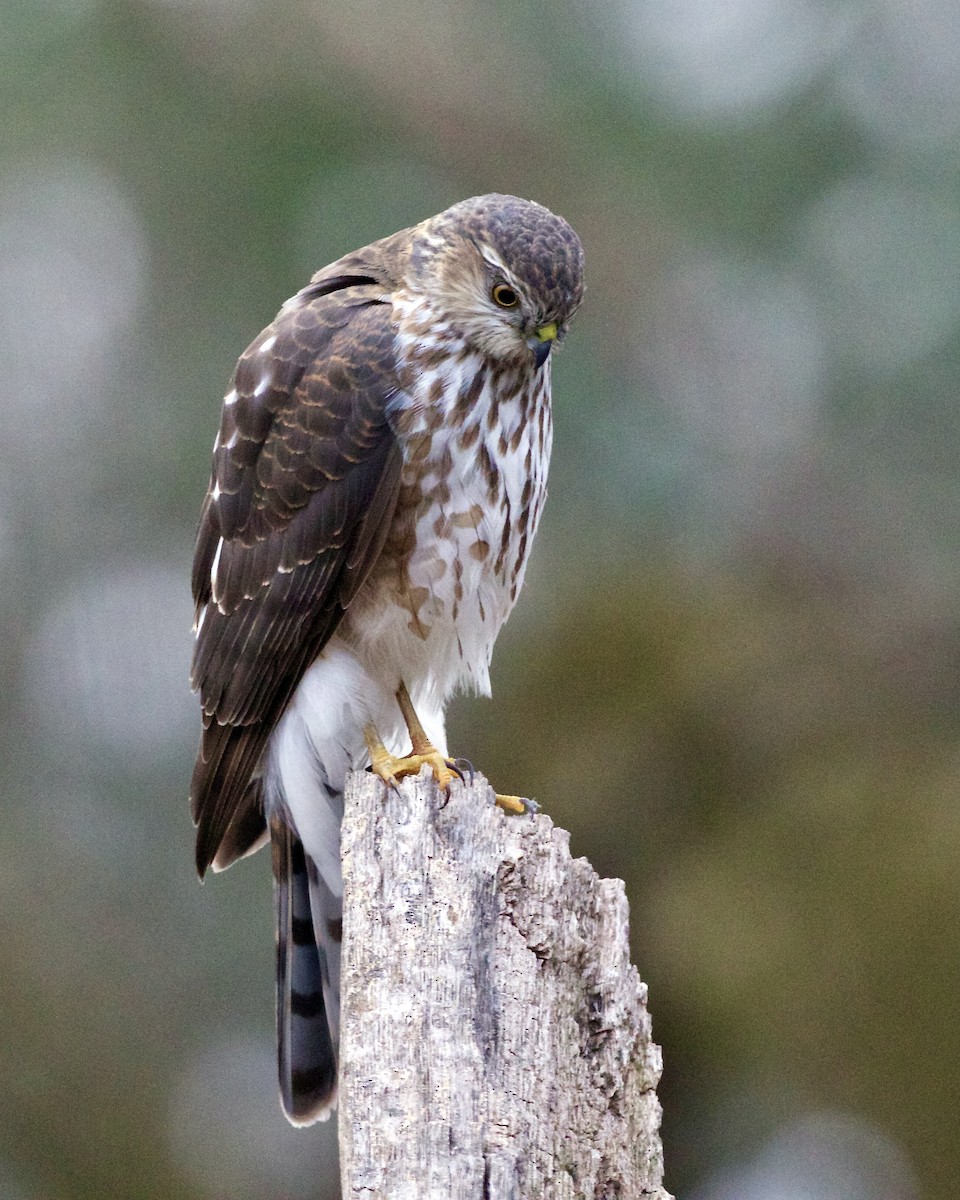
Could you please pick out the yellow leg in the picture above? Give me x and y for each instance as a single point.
(390, 768)
(418, 738)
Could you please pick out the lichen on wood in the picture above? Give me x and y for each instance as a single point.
(495, 1042)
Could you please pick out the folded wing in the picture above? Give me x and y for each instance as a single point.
(305, 480)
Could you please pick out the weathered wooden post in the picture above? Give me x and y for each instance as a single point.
(496, 1043)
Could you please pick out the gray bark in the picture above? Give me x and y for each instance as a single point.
(496, 1043)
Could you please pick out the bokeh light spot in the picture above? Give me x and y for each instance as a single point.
(109, 662)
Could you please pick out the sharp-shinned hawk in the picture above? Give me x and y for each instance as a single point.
(377, 480)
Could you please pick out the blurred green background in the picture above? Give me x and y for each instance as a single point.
(733, 674)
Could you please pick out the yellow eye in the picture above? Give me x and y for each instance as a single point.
(504, 295)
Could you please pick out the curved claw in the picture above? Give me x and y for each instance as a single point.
(461, 765)
(390, 780)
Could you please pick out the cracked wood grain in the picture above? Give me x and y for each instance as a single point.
(496, 1043)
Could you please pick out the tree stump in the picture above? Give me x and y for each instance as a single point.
(496, 1043)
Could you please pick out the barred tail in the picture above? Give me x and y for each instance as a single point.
(308, 970)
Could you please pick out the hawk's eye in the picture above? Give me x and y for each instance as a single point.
(504, 295)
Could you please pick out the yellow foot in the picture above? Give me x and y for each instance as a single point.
(391, 769)
(516, 804)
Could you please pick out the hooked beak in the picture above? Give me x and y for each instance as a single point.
(542, 341)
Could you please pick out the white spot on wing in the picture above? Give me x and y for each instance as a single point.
(231, 441)
(268, 344)
(198, 624)
(215, 494)
(263, 386)
(230, 397)
(213, 569)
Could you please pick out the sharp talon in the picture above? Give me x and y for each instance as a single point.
(464, 764)
(392, 769)
(390, 780)
(454, 765)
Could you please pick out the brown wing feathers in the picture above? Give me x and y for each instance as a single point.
(306, 475)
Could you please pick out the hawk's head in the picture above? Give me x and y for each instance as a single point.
(507, 274)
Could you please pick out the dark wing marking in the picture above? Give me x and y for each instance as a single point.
(305, 481)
